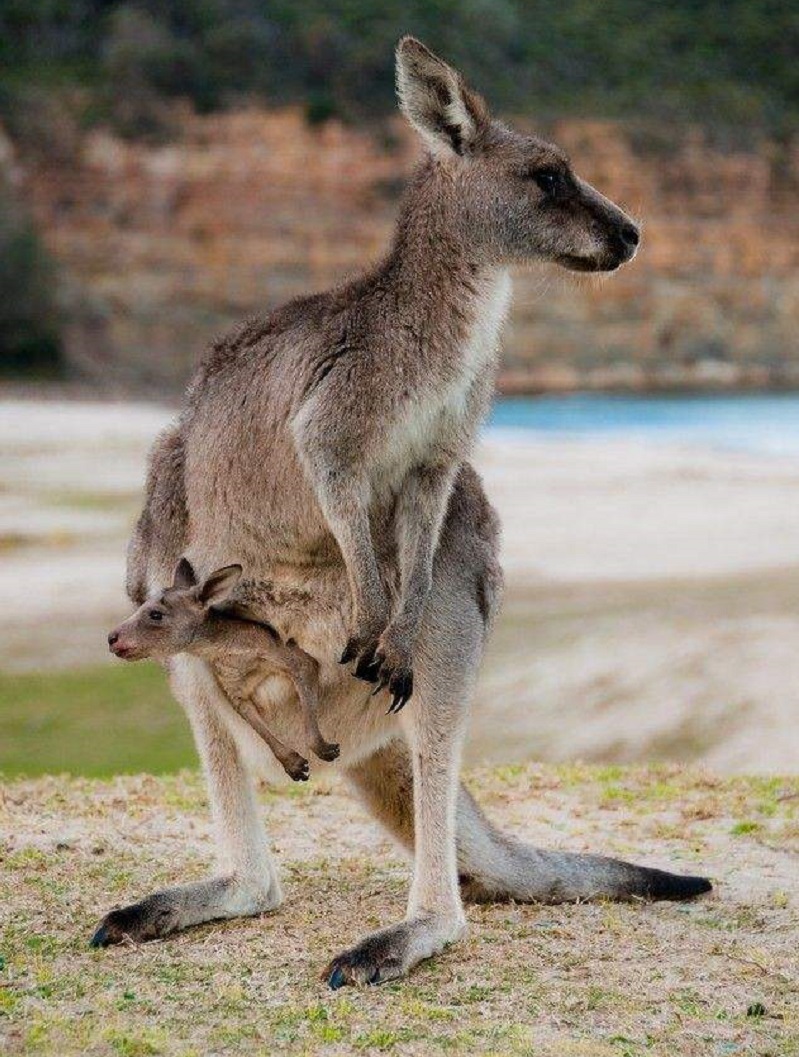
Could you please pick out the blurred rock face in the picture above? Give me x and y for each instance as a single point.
(162, 247)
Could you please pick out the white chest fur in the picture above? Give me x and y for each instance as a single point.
(491, 311)
(437, 411)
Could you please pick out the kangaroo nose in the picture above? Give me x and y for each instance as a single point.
(113, 638)
(630, 235)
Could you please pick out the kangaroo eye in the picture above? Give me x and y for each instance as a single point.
(156, 615)
(548, 180)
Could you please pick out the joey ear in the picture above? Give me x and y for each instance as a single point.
(219, 585)
(185, 575)
(447, 114)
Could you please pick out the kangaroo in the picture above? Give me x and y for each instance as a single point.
(187, 617)
(325, 447)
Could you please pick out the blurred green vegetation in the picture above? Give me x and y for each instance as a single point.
(100, 721)
(716, 61)
(29, 324)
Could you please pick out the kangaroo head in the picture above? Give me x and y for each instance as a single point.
(515, 197)
(169, 620)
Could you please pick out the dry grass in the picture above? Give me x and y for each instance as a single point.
(718, 976)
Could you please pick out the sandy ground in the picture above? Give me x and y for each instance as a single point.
(652, 590)
(705, 979)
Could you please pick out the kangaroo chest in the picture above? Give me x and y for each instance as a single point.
(443, 410)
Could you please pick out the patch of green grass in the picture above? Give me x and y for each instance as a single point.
(740, 829)
(95, 722)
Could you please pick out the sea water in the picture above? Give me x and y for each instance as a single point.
(753, 423)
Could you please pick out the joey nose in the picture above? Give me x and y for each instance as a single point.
(113, 638)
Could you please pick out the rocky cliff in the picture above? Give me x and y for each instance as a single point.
(161, 247)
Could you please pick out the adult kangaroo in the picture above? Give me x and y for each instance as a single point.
(324, 449)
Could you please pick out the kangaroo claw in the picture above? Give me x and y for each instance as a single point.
(368, 666)
(350, 652)
(401, 687)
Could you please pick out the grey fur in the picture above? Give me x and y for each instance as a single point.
(325, 448)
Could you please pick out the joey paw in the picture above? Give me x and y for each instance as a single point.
(297, 767)
(327, 750)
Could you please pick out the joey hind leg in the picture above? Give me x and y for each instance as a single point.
(304, 672)
(247, 882)
(295, 766)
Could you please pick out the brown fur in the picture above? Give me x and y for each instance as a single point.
(199, 619)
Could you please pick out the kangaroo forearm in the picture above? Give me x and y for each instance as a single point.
(419, 517)
(347, 516)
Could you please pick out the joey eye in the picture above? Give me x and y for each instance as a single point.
(548, 180)
(156, 615)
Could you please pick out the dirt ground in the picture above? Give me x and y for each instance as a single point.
(714, 977)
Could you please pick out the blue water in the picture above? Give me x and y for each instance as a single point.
(758, 424)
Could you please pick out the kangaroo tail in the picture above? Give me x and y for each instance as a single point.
(494, 866)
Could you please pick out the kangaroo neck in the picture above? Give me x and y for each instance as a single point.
(435, 272)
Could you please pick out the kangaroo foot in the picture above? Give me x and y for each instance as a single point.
(392, 952)
(178, 908)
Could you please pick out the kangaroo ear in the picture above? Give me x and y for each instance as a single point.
(219, 585)
(447, 114)
(185, 575)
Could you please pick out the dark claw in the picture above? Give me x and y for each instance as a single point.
(116, 926)
(350, 652)
(380, 686)
(401, 689)
(368, 674)
(368, 667)
(336, 979)
(374, 978)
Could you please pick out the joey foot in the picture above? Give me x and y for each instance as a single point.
(296, 767)
(326, 750)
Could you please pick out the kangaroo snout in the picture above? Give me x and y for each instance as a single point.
(625, 241)
(117, 645)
